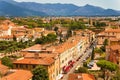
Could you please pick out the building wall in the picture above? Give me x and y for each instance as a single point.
(50, 68)
(100, 39)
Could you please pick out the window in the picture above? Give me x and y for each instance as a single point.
(21, 66)
(65, 58)
(33, 66)
(113, 33)
(26, 66)
(16, 65)
(62, 61)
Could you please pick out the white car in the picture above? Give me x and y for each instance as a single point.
(77, 67)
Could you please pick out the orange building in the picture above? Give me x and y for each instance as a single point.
(107, 34)
(3, 70)
(31, 60)
(18, 75)
(80, 76)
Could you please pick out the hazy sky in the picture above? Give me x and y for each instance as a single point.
(113, 4)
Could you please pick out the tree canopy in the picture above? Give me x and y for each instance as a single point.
(46, 39)
(40, 73)
(7, 61)
(107, 65)
(82, 70)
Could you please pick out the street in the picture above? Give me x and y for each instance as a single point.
(80, 62)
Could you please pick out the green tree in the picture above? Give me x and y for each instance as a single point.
(116, 75)
(105, 43)
(40, 73)
(7, 61)
(82, 70)
(56, 29)
(69, 33)
(93, 54)
(14, 38)
(106, 65)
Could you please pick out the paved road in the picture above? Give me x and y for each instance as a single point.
(80, 62)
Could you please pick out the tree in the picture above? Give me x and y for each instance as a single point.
(56, 29)
(69, 33)
(93, 54)
(40, 73)
(7, 61)
(82, 70)
(106, 65)
(105, 43)
(117, 75)
(14, 38)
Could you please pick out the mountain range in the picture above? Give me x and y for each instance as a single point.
(13, 8)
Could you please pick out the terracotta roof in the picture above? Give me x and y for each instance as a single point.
(80, 76)
(114, 39)
(35, 47)
(41, 61)
(38, 48)
(19, 29)
(41, 55)
(18, 75)
(4, 27)
(6, 37)
(112, 30)
(68, 44)
(115, 47)
(3, 69)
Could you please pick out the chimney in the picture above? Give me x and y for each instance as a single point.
(36, 55)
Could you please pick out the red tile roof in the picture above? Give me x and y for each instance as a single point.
(3, 69)
(37, 47)
(41, 61)
(40, 55)
(115, 47)
(80, 76)
(18, 75)
(112, 30)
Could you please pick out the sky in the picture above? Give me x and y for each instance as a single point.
(111, 4)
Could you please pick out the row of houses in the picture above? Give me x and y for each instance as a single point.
(8, 30)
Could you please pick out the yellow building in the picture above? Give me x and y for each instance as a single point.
(31, 60)
(70, 51)
(107, 34)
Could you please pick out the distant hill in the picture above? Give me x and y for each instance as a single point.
(13, 8)
(9, 9)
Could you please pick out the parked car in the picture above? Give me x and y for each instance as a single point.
(77, 67)
(89, 66)
(91, 63)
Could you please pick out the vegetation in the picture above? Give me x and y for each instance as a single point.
(98, 50)
(13, 46)
(116, 75)
(99, 24)
(7, 62)
(106, 66)
(46, 39)
(40, 73)
(82, 70)
(93, 54)
(105, 43)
